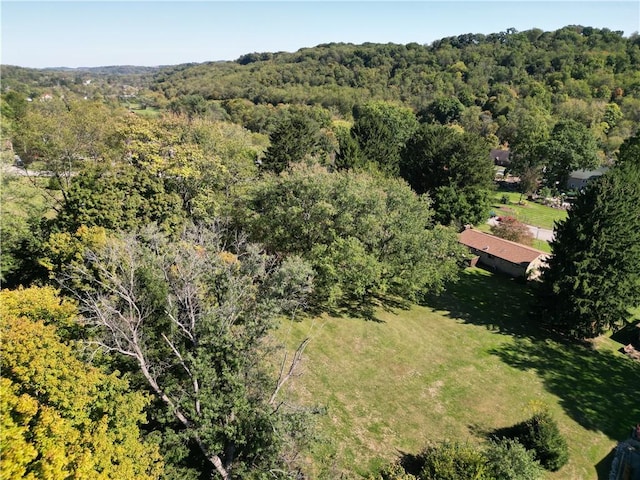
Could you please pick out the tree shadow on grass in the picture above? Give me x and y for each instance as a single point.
(500, 303)
(629, 335)
(599, 390)
(366, 308)
(362, 311)
(411, 463)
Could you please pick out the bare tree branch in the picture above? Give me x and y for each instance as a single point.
(198, 345)
(283, 378)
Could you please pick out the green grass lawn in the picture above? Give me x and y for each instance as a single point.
(144, 111)
(531, 213)
(20, 195)
(465, 364)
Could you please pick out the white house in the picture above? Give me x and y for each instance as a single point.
(581, 178)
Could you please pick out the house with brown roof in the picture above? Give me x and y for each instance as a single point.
(502, 255)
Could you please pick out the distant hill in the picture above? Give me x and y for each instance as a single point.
(107, 70)
(490, 71)
(35, 79)
(489, 84)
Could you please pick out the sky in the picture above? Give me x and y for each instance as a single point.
(41, 34)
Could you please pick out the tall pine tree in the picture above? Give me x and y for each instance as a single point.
(295, 138)
(593, 277)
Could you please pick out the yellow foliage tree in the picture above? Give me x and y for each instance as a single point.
(60, 417)
(172, 148)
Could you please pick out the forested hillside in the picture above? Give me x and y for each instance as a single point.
(485, 83)
(165, 223)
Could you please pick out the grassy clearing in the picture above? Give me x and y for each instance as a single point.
(144, 111)
(466, 364)
(541, 245)
(21, 196)
(530, 213)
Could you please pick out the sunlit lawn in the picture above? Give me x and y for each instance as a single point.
(20, 195)
(468, 362)
(528, 212)
(146, 112)
(531, 213)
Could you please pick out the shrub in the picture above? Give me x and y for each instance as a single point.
(541, 434)
(394, 471)
(510, 228)
(453, 461)
(500, 459)
(54, 183)
(509, 460)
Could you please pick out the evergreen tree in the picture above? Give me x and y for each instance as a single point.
(381, 129)
(295, 138)
(454, 168)
(630, 150)
(348, 154)
(593, 277)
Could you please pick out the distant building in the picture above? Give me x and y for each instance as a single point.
(502, 255)
(500, 157)
(579, 179)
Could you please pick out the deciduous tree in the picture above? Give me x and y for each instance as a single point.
(119, 198)
(510, 228)
(444, 110)
(62, 418)
(454, 168)
(526, 131)
(193, 315)
(171, 151)
(366, 237)
(66, 135)
(571, 146)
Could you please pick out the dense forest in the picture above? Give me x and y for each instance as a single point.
(160, 223)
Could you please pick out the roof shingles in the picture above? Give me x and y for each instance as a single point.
(511, 251)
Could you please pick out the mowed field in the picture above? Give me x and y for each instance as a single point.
(531, 213)
(528, 212)
(467, 363)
